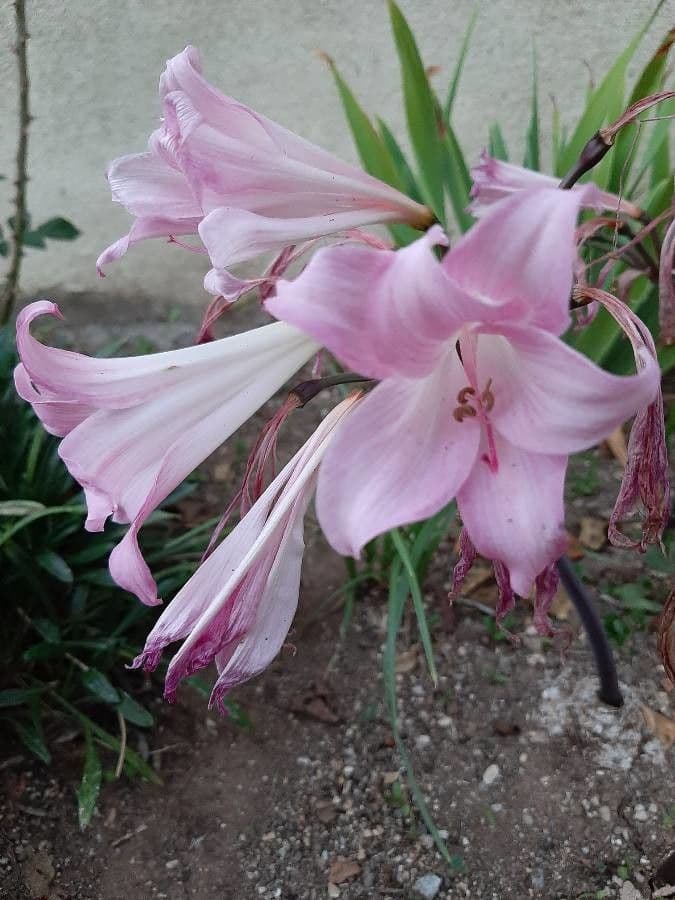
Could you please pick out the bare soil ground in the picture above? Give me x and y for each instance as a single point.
(540, 790)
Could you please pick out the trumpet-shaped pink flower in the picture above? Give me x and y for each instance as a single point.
(134, 428)
(479, 398)
(494, 179)
(245, 183)
(238, 606)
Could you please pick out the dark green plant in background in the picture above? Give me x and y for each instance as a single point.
(66, 631)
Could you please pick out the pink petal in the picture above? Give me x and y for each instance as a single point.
(550, 399)
(380, 312)
(243, 659)
(246, 590)
(130, 571)
(494, 179)
(234, 235)
(149, 188)
(141, 230)
(515, 515)
(213, 129)
(58, 416)
(399, 458)
(526, 275)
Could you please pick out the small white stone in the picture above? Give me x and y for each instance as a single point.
(172, 864)
(491, 774)
(428, 886)
(422, 741)
(640, 814)
(333, 890)
(444, 722)
(605, 814)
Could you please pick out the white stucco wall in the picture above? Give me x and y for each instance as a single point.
(95, 65)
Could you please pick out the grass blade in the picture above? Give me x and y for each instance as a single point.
(418, 602)
(532, 160)
(421, 112)
(457, 179)
(405, 173)
(627, 141)
(397, 597)
(457, 74)
(497, 144)
(370, 147)
(90, 786)
(604, 104)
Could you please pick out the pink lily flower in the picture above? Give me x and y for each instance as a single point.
(238, 606)
(494, 179)
(479, 398)
(247, 185)
(134, 428)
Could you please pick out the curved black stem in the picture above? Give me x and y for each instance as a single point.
(307, 390)
(609, 691)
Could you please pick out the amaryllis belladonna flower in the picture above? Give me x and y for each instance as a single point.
(479, 398)
(238, 606)
(247, 185)
(134, 428)
(494, 179)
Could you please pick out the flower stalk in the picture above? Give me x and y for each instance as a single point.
(11, 286)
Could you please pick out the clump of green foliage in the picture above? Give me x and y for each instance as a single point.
(67, 632)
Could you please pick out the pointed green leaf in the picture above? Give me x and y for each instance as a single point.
(418, 602)
(496, 143)
(656, 156)
(18, 696)
(20, 507)
(98, 685)
(90, 786)
(532, 160)
(32, 738)
(604, 104)
(421, 112)
(405, 173)
(627, 142)
(457, 74)
(135, 713)
(370, 147)
(55, 565)
(659, 198)
(58, 229)
(457, 179)
(48, 630)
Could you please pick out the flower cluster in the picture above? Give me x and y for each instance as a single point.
(476, 396)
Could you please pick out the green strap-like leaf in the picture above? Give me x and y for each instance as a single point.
(605, 103)
(405, 173)
(628, 140)
(421, 113)
(532, 160)
(373, 151)
(90, 786)
(496, 143)
(98, 685)
(418, 602)
(370, 147)
(457, 179)
(457, 74)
